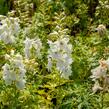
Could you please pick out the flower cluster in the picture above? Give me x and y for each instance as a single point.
(32, 44)
(60, 54)
(9, 27)
(14, 71)
(100, 76)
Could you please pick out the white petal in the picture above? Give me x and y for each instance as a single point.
(20, 84)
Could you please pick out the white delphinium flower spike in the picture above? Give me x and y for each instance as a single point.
(60, 53)
(6, 74)
(14, 72)
(8, 29)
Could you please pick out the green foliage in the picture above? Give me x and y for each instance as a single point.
(102, 12)
(45, 89)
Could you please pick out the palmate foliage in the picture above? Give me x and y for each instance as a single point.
(50, 61)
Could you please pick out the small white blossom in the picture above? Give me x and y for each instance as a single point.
(54, 34)
(6, 74)
(28, 46)
(49, 66)
(7, 56)
(37, 45)
(96, 87)
(15, 25)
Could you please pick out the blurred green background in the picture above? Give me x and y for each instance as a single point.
(3, 7)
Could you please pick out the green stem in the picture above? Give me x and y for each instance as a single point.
(102, 99)
(14, 105)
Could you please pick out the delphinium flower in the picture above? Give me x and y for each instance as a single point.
(29, 45)
(100, 76)
(7, 74)
(8, 29)
(14, 71)
(60, 54)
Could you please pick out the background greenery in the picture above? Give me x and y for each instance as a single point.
(3, 7)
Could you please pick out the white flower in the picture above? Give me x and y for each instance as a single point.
(7, 56)
(22, 72)
(96, 87)
(107, 63)
(3, 28)
(2, 17)
(53, 34)
(12, 52)
(18, 61)
(6, 74)
(37, 45)
(66, 73)
(29, 44)
(54, 46)
(15, 71)
(49, 66)
(64, 66)
(98, 72)
(15, 25)
(12, 75)
(20, 84)
(60, 53)
(8, 30)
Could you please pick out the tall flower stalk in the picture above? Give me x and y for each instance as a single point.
(8, 29)
(100, 76)
(60, 54)
(14, 70)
